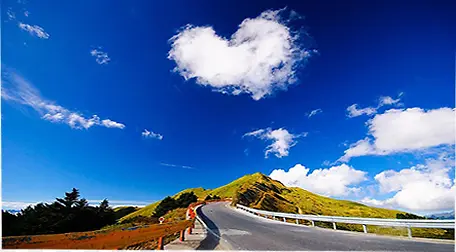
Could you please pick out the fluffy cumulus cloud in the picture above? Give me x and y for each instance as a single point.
(334, 181)
(34, 30)
(354, 110)
(314, 112)
(281, 139)
(150, 134)
(101, 57)
(259, 58)
(17, 90)
(405, 130)
(421, 188)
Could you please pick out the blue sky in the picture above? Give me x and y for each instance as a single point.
(174, 104)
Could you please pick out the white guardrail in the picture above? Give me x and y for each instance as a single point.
(408, 223)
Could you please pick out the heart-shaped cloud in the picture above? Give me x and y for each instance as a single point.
(260, 57)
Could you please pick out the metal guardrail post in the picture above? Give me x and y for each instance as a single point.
(284, 219)
(297, 221)
(334, 226)
(313, 223)
(365, 228)
(409, 232)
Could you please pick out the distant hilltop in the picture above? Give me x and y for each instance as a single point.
(260, 191)
(442, 216)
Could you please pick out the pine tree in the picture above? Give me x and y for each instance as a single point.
(165, 205)
(70, 198)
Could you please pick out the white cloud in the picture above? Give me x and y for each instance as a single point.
(354, 111)
(376, 203)
(361, 148)
(256, 133)
(421, 188)
(282, 140)
(57, 117)
(178, 166)
(16, 205)
(334, 181)
(34, 30)
(101, 57)
(11, 15)
(77, 121)
(326, 163)
(259, 58)
(387, 100)
(26, 13)
(111, 124)
(315, 112)
(150, 134)
(17, 90)
(405, 130)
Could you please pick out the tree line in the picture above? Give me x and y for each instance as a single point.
(166, 205)
(169, 203)
(68, 214)
(73, 214)
(210, 197)
(409, 216)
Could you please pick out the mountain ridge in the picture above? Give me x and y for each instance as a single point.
(442, 216)
(259, 191)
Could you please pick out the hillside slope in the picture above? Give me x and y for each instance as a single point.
(268, 194)
(124, 210)
(226, 191)
(259, 191)
(150, 209)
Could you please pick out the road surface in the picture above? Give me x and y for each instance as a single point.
(233, 229)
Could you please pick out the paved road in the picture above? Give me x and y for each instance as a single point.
(235, 229)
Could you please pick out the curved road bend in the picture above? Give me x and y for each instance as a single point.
(242, 231)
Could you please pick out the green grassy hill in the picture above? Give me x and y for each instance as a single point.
(150, 209)
(268, 194)
(145, 211)
(124, 210)
(261, 192)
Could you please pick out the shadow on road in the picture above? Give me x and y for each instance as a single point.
(211, 241)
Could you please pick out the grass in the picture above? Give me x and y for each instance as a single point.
(226, 191)
(174, 215)
(149, 210)
(230, 190)
(261, 192)
(124, 210)
(310, 203)
(145, 211)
